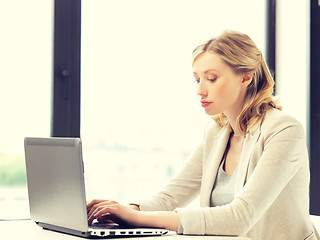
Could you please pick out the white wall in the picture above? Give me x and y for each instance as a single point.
(292, 61)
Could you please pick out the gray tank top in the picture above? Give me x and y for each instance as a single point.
(223, 188)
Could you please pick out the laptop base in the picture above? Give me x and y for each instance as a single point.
(105, 233)
(54, 228)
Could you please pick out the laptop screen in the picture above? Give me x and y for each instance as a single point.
(56, 182)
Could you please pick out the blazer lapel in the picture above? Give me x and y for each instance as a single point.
(248, 146)
(212, 164)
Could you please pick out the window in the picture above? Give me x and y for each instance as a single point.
(287, 40)
(140, 116)
(25, 93)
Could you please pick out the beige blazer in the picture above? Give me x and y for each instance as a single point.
(271, 191)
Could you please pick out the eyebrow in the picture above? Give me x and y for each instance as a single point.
(209, 70)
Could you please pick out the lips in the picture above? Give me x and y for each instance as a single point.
(205, 104)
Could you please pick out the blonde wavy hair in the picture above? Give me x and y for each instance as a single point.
(243, 56)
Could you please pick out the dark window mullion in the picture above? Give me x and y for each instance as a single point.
(66, 69)
(314, 107)
(271, 37)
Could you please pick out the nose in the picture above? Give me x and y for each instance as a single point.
(201, 89)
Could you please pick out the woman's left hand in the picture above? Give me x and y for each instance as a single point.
(107, 210)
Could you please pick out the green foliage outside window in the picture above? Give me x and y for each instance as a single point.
(12, 170)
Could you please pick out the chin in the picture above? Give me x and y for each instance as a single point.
(211, 112)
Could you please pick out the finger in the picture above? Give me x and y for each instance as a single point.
(104, 210)
(91, 214)
(98, 205)
(102, 203)
(93, 202)
(94, 205)
(105, 219)
(101, 211)
(112, 217)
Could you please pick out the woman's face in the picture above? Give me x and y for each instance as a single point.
(220, 88)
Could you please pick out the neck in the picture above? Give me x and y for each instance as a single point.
(232, 119)
(233, 114)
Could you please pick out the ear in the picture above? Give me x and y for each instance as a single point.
(247, 78)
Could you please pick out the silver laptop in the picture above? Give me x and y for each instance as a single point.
(56, 189)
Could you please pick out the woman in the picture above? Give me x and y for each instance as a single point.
(251, 170)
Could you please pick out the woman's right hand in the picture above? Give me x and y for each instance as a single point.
(111, 211)
(107, 210)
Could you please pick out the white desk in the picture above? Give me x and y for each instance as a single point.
(28, 230)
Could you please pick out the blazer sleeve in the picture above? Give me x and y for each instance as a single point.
(181, 189)
(283, 153)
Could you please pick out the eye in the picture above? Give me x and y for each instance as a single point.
(197, 80)
(211, 77)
